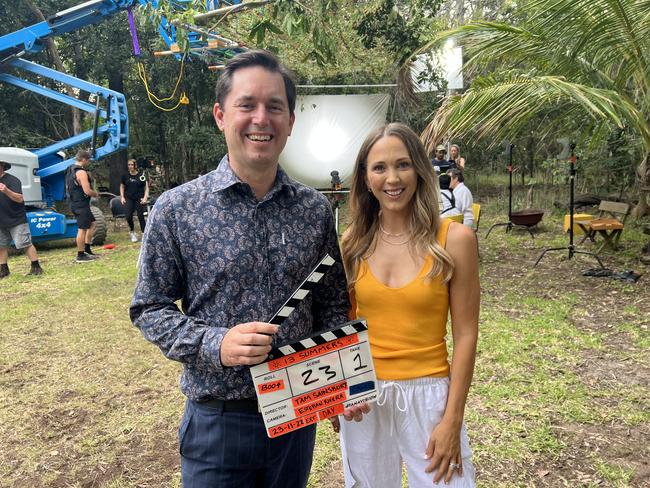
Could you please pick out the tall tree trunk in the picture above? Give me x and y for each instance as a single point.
(80, 65)
(643, 179)
(460, 12)
(162, 154)
(191, 163)
(184, 162)
(56, 59)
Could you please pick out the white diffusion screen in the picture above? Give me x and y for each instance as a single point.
(448, 61)
(327, 135)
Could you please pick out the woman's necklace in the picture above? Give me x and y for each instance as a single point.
(395, 243)
(390, 234)
(384, 231)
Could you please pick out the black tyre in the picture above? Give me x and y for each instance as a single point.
(102, 230)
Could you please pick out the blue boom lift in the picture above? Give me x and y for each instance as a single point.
(42, 171)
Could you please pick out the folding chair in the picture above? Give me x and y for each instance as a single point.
(476, 210)
(456, 218)
(608, 224)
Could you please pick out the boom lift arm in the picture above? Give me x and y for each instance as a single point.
(112, 113)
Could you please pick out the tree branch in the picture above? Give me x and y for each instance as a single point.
(56, 59)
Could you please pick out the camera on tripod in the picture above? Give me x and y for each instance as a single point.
(146, 162)
(335, 181)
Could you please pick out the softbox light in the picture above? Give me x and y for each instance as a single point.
(327, 135)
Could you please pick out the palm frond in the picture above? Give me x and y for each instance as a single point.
(606, 32)
(500, 107)
(602, 43)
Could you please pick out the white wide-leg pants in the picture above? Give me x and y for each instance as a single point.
(398, 428)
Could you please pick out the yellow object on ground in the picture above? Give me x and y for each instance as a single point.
(476, 211)
(576, 218)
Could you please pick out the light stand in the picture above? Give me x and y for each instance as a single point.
(509, 225)
(336, 186)
(335, 196)
(571, 248)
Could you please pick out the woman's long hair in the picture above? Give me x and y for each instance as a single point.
(359, 239)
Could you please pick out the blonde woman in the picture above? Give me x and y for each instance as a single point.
(407, 268)
(456, 158)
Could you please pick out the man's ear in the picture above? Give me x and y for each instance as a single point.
(217, 113)
(292, 119)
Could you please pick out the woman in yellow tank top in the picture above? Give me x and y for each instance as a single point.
(407, 270)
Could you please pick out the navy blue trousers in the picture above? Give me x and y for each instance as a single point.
(231, 449)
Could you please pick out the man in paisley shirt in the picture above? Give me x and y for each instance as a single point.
(232, 246)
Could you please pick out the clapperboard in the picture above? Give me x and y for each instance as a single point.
(318, 376)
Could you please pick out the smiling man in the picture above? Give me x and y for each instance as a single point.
(232, 246)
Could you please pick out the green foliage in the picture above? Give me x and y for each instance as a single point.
(597, 78)
(318, 39)
(185, 142)
(400, 26)
(310, 18)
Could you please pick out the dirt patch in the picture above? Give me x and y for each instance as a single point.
(603, 369)
(62, 421)
(604, 307)
(141, 461)
(614, 444)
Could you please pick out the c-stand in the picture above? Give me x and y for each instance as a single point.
(571, 248)
(336, 193)
(509, 225)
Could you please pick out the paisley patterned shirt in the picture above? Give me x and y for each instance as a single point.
(232, 259)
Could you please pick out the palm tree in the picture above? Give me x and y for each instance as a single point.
(588, 57)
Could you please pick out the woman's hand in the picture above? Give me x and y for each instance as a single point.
(336, 423)
(443, 450)
(355, 413)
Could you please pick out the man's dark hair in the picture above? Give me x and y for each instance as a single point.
(444, 181)
(456, 173)
(83, 154)
(249, 59)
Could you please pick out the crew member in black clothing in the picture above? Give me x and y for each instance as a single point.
(79, 186)
(440, 164)
(134, 194)
(13, 222)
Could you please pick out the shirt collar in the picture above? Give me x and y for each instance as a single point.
(224, 177)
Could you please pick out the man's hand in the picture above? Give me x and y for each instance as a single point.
(123, 200)
(3, 188)
(356, 412)
(247, 344)
(143, 201)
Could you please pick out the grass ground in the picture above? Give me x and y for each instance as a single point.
(560, 396)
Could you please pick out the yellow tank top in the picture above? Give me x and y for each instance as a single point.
(406, 325)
